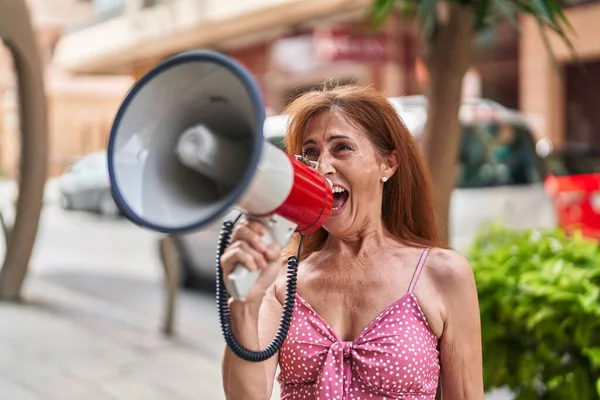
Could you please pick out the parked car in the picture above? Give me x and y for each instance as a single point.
(500, 177)
(85, 186)
(574, 183)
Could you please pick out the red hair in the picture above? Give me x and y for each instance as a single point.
(407, 208)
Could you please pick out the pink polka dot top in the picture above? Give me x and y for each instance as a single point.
(394, 357)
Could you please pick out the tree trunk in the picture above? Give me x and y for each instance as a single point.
(447, 55)
(18, 34)
(170, 260)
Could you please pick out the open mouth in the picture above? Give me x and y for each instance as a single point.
(340, 196)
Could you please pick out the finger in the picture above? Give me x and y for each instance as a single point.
(257, 227)
(273, 252)
(241, 246)
(235, 256)
(259, 258)
(252, 225)
(246, 234)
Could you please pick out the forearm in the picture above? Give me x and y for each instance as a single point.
(242, 379)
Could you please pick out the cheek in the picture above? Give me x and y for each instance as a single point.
(362, 169)
(364, 178)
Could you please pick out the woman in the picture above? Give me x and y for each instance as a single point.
(382, 309)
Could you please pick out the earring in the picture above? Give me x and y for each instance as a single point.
(384, 179)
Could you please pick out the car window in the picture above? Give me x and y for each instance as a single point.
(491, 154)
(277, 141)
(561, 164)
(494, 154)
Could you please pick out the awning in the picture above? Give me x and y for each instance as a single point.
(116, 45)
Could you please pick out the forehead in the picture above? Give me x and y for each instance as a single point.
(332, 123)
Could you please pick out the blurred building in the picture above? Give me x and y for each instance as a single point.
(564, 99)
(289, 45)
(80, 108)
(99, 47)
(294, 45)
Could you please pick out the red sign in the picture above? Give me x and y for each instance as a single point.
(342, 44)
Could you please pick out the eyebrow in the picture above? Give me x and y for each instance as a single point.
(331, 139)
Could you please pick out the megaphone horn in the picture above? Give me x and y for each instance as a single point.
(187, 145)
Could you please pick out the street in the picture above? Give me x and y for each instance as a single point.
(90, 326)
(117, 263)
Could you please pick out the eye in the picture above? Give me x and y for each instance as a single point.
(310, 153)
(343, 147)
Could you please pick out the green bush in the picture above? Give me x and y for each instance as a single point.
(539, 294)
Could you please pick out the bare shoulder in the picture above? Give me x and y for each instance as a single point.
(449, 270)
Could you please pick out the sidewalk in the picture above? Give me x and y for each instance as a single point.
(64, 345)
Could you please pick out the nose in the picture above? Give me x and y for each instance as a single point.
(325, 166)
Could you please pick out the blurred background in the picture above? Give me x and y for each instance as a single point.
(91, 320)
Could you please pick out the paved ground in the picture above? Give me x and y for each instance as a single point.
(90, 325)
(65, 345)
(89, 328)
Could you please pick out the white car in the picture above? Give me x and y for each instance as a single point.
(500, 177)
(85, 186)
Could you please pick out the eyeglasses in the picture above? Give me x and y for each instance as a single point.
(306, 161)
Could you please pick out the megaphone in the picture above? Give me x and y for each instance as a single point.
(187, 145)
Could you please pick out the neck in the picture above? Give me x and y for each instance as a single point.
(364, 241)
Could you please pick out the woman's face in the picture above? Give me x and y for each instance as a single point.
(347, 157)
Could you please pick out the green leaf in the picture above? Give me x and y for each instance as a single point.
(580, 389)
(481, 13)
(507, 9)
(555, 382)
(427, 15)
(539, 316)
(379, 11)
(593, 354)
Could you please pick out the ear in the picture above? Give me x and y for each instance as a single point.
(389, 164)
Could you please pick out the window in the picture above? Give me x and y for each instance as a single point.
(277, 141)
(150, 3)
(104, 6)
(573, 163)
(91, 162)
(497, 155)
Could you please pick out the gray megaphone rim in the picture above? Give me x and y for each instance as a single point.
(254, 93)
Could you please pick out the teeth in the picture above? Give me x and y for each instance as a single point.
(335, 208)
(338, 189)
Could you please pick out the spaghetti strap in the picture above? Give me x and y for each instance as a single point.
(415, 277)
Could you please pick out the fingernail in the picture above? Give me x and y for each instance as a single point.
(262, 246)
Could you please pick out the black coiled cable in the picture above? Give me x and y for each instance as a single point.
(223, 306)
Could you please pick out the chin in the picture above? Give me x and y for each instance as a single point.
(335, 226)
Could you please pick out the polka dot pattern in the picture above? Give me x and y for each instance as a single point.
(395, 357)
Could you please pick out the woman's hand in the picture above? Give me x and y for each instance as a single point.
(248, 249)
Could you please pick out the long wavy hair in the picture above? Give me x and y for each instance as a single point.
(407, 207)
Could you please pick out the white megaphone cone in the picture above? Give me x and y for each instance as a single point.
(187, 145)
